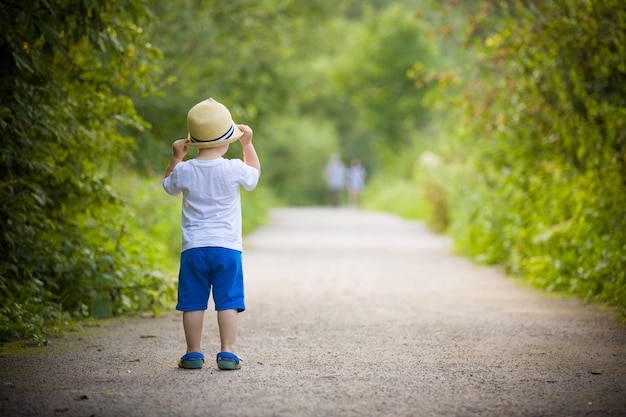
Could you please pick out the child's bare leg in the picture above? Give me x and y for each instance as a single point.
(227, 321)
(193, 321)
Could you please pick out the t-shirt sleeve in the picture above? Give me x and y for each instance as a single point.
(249, 176)
(170, 182)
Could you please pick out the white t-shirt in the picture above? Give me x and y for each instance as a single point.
(211, 214)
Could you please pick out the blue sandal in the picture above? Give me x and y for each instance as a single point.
(228, 361)
(191, 360)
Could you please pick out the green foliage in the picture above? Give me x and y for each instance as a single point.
(295, 72)
(545, 130)
(244, 53)
(374, 79)
(390, 194)
(254, 207)
(152, 212)
(424, 195)
(297, 155)
(531, 173)
(66, 68)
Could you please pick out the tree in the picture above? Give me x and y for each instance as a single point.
(68, 66)
(545, 119)
(374, 76)
(240, 52)
(254, 57)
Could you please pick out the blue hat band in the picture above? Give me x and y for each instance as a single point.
(225, 136)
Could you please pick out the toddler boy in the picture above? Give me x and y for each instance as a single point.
(210, 258)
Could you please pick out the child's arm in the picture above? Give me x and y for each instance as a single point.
(179, 150)
(250, 156)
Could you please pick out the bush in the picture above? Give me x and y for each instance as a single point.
(67, 73)
(401, 197)
(544, 131)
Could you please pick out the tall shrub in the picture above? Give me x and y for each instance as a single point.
(67, 68)
(546, 120)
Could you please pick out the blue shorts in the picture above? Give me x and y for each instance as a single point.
(210, 267)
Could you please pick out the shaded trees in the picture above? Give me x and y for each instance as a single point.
(67, 67)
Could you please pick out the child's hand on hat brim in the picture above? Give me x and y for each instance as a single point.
(180, 148)
(246, 138)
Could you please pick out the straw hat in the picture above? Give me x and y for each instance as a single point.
(210, 125)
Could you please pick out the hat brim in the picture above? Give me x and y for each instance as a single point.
(203, 145)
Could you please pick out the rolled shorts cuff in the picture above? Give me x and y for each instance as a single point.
(192, 307)
(239, 307)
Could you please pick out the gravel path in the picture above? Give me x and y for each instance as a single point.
(350, 313)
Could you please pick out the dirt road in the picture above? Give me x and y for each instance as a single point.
(350, 313)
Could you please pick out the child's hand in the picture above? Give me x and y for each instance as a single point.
(180, 148)
(246, 139)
